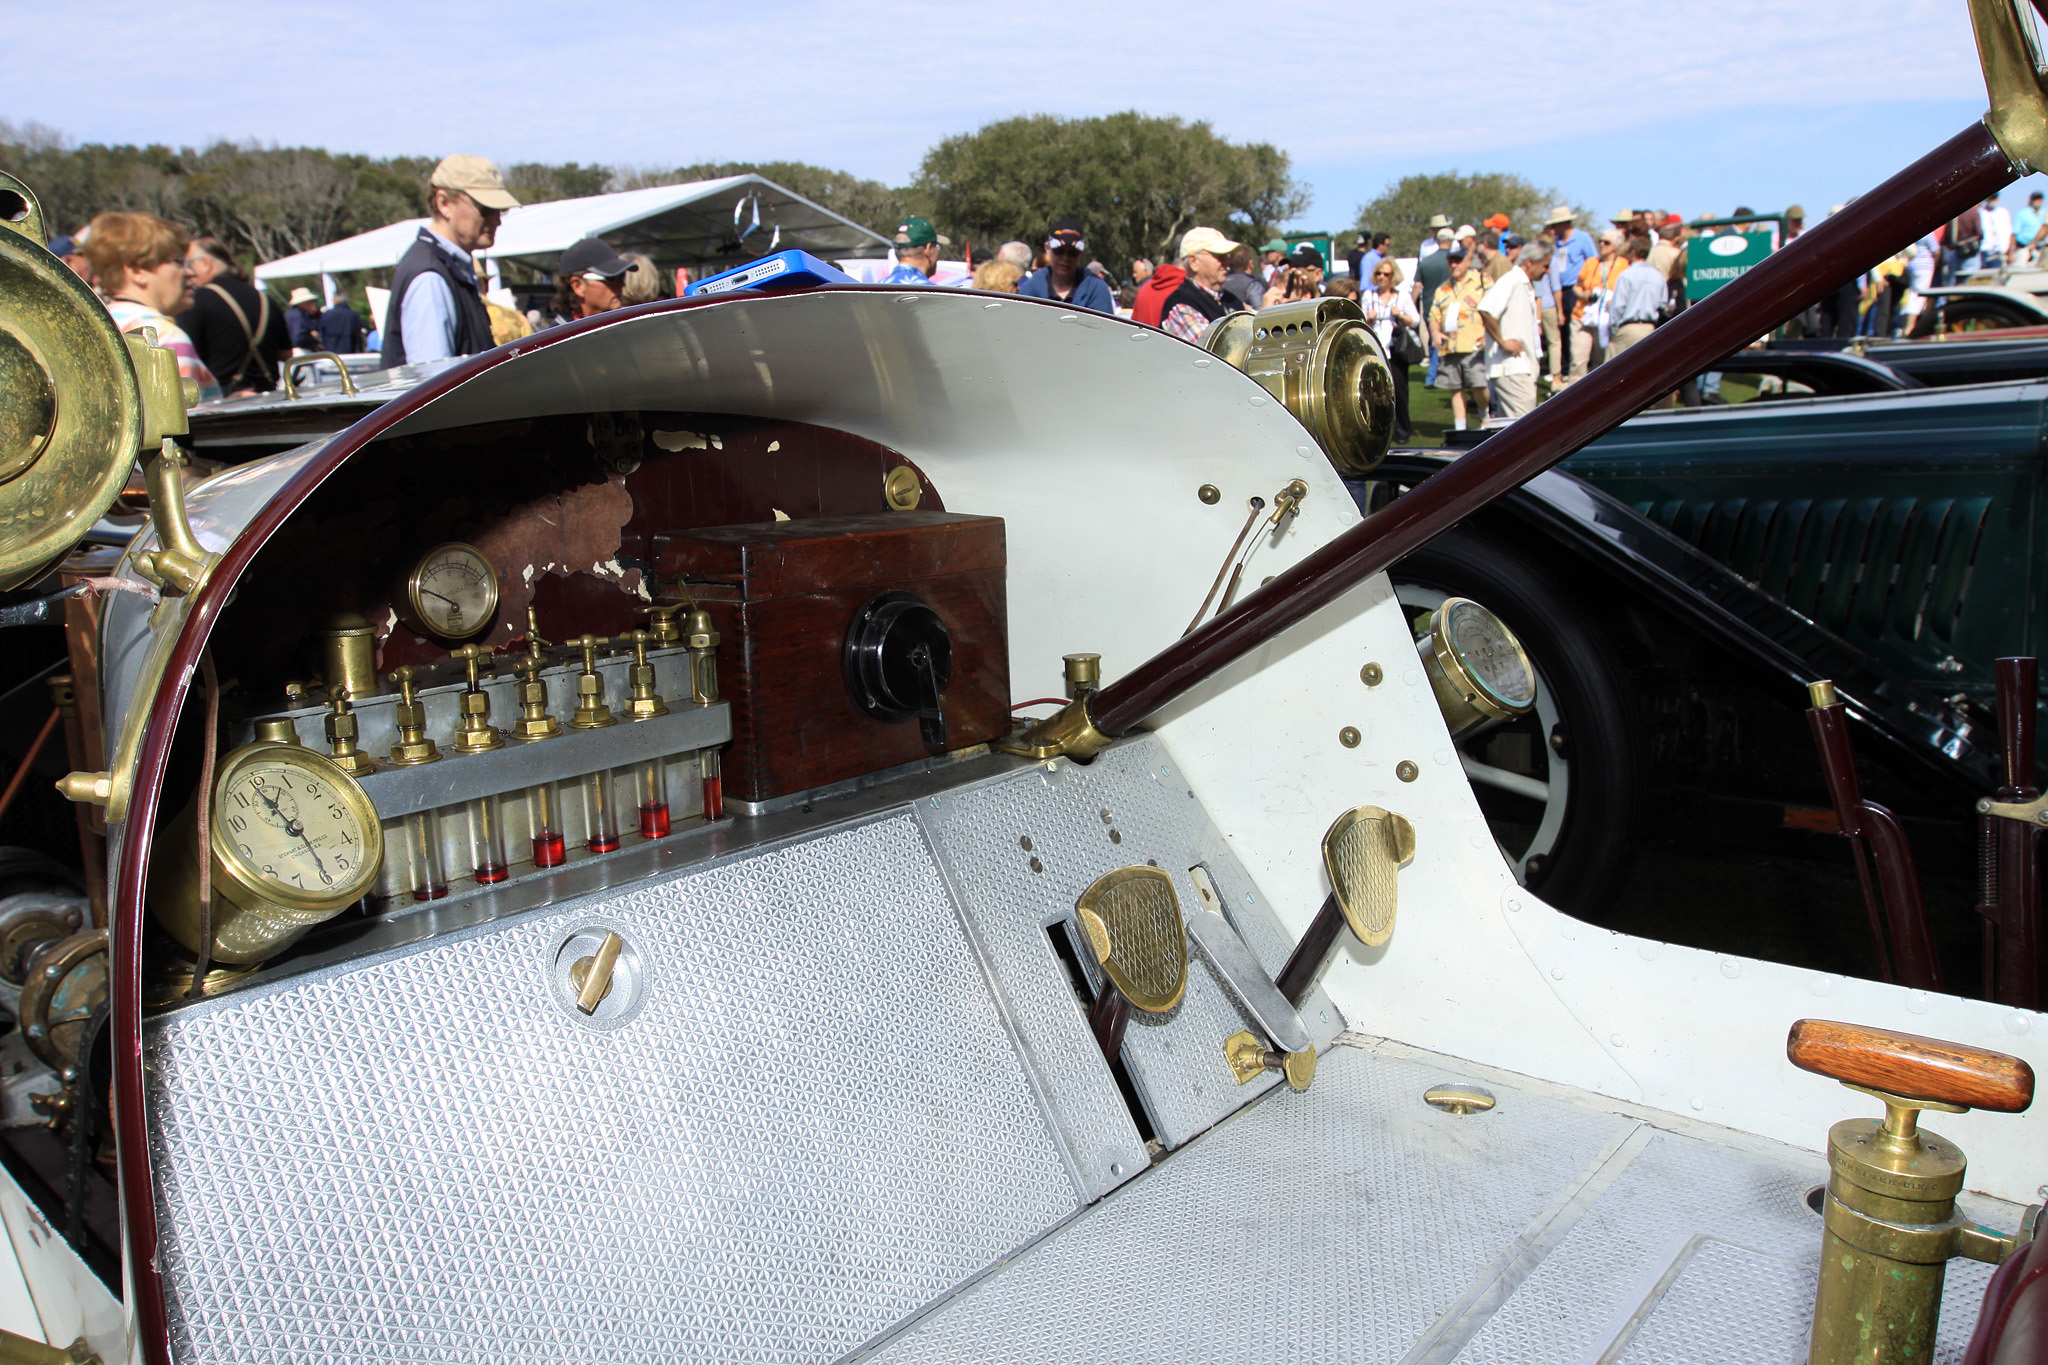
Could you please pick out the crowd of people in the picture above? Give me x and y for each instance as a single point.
(1497, 318)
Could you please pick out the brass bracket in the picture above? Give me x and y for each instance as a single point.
(2033, 812)
(1249, 1059)
(2013, 75)
(1067, 731)
(180, 563)
(291, 388)
(16, 1349)
(1917, 1243)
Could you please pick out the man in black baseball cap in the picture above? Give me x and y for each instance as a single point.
(589, 279)
(1063, 280)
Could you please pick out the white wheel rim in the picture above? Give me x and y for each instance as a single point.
(1553, 790)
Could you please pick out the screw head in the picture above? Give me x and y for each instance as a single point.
(1407, 771)
(1372, 675)
(1349, 737)
(1210, 494)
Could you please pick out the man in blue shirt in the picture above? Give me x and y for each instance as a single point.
(1574, 249)
(1063, 280)
(2026, 226)
(435, 310)
(917, 252)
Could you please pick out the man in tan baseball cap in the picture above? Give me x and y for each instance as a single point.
(436, 310)
(1199, 301)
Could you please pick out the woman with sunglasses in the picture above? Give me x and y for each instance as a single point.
(1387, 306)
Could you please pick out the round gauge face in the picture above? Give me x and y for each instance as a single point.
(1491, 655)
(454, 591)
(292, 828)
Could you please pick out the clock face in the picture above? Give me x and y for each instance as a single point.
(295, 832)
(454, 591)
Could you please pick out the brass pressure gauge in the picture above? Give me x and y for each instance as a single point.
(295, 842)
(1475, 665)
(452, 592)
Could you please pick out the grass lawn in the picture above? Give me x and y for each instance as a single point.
(1429, 410)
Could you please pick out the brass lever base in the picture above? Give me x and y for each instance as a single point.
(1248, 1059)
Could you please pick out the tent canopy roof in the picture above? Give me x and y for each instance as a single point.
(684, 224)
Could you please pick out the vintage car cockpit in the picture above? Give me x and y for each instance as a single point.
(904, 825)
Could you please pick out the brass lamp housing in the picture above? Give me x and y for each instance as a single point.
(77, 398)
(1320, 359)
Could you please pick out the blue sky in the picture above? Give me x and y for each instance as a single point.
(1690, 107)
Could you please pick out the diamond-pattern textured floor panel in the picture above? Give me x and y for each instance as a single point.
(1020, 851)
(816, 1124)
(1727, 1306)
(1334, 1226)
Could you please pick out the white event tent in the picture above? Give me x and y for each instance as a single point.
(691, 224)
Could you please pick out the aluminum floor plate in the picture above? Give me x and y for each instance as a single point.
(1356, 1224)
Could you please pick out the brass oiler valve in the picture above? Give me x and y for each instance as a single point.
(702, 638)
(475, 734)
(591, 711)
(534, 721)
(661, 620)
(410, 715)
(644, 703)
(342, 732)
(1890, 1211)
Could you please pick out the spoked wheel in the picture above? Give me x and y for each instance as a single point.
(1559, 785)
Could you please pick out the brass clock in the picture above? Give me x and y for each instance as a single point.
(295, 842)
(452, 592)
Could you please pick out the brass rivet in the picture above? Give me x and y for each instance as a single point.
(1037, 866)
(902, 489)
(1104, 814)
(1025, 843)
(1407, 771)
(1349, 737)
(1209, 493)
(1116, 836)
(1372, 675)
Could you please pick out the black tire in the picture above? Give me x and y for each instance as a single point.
(1585, 737)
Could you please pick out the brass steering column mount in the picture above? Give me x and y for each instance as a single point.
(2016, 76)
(1890, 1214)
(1067, 731)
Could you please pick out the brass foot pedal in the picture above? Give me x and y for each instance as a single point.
(1132, 921)
(1364, 851)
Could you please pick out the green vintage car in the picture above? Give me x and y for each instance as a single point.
(1909, 524)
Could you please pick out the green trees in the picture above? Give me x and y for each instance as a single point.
(1136, 181)
(1404, 207)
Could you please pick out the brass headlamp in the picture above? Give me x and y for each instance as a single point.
(1321, 360)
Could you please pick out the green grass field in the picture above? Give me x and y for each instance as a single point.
(1429, 410)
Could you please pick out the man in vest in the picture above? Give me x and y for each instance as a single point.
(435, 309)
(1189, 309)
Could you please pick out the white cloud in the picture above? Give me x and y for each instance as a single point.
(870, 87)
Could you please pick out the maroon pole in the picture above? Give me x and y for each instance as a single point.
(2017, 959)
(1934, 189)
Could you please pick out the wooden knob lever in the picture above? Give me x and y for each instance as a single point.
(1911, 1067)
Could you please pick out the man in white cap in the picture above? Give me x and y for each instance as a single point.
(1188, 310)
(1573, 249)
(435, 309)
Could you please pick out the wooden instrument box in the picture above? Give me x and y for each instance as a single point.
(785, 596)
